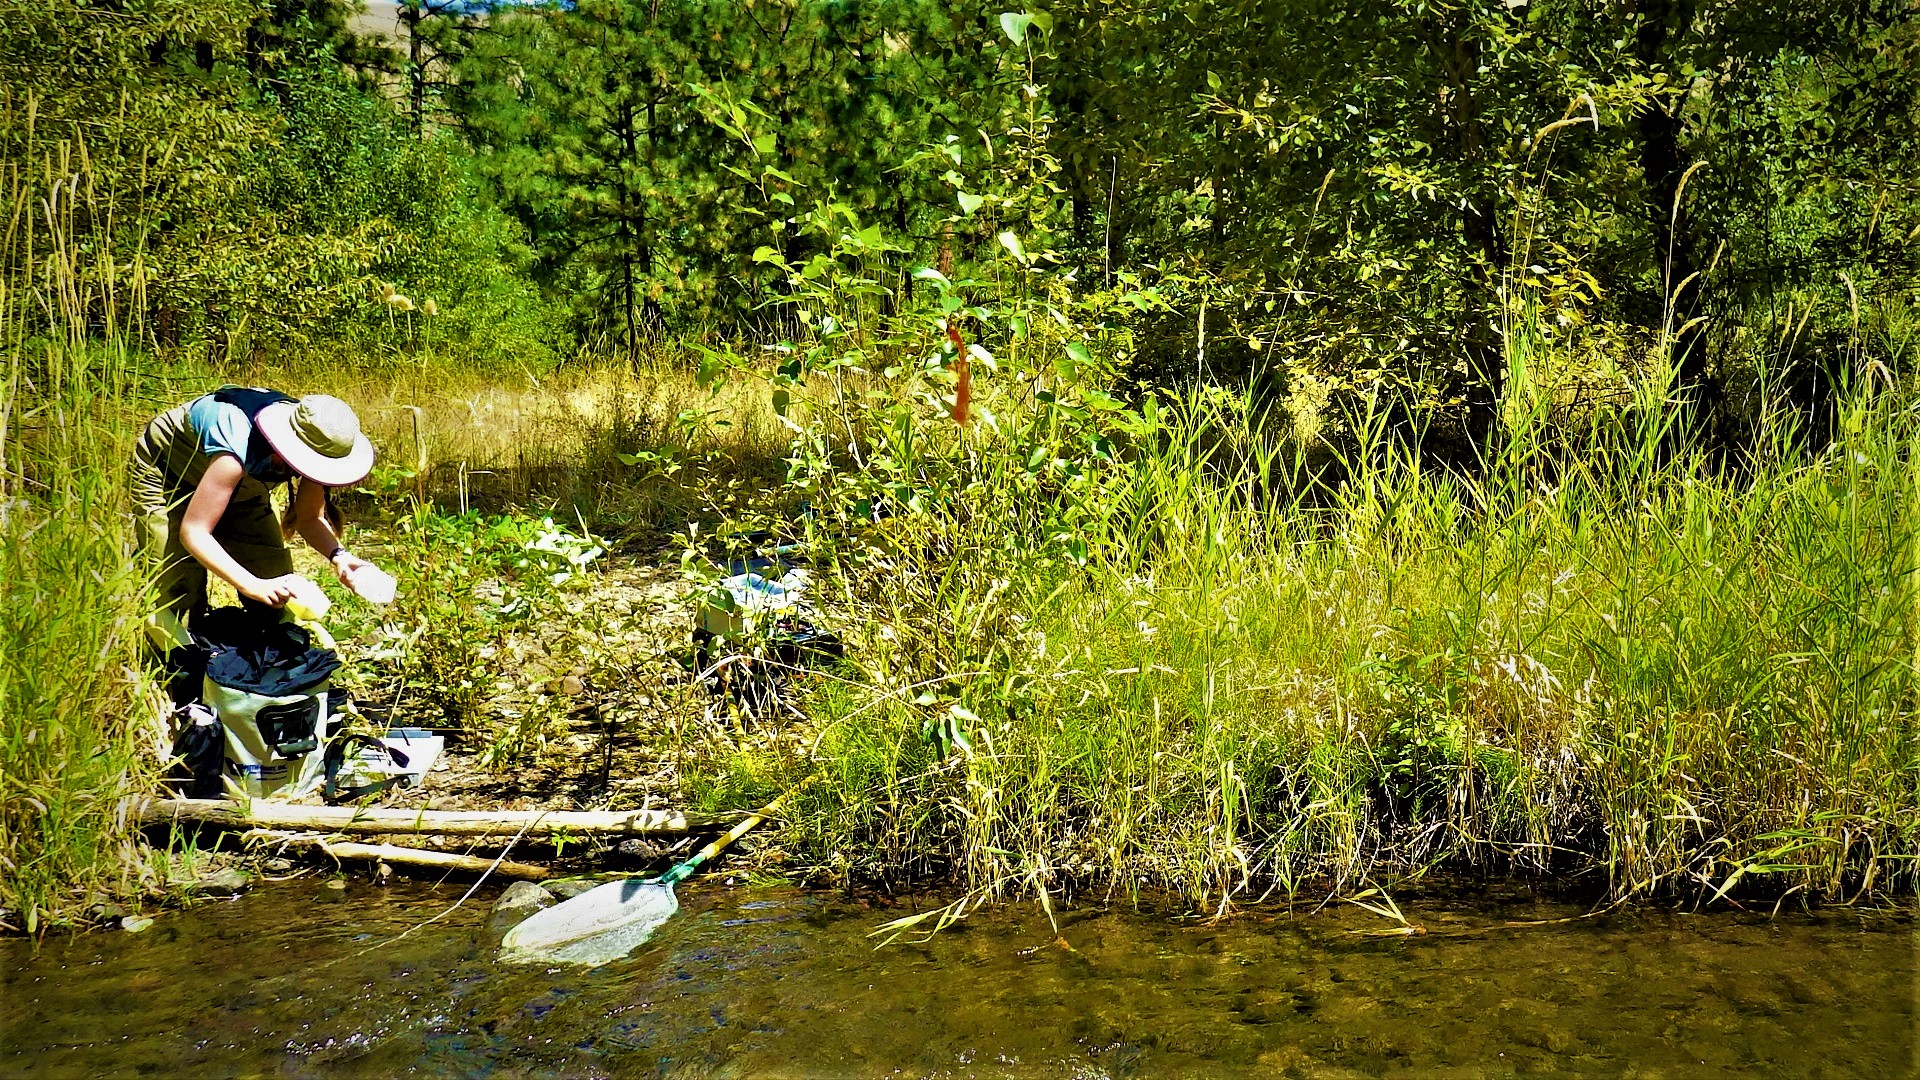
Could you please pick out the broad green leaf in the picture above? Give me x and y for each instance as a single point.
(1015, 24)
(970, 203)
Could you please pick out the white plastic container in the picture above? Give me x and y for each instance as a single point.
(369, 766)
(421, 747)
(756, 602)
(374, 585)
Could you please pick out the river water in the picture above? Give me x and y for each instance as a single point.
(304, 980)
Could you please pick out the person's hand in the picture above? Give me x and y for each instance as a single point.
(273, 592)
(344, 564)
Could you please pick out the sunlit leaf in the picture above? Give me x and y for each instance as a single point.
(1012, 243)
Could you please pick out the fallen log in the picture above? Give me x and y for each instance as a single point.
(389, 821)
(438, 860)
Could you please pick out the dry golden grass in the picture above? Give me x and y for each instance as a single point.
(597, 439)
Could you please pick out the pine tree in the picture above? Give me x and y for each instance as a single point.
(651, 148)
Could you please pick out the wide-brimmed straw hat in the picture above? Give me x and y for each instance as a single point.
(319, 437)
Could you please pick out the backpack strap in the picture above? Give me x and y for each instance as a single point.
(250, 400)
(337, 758)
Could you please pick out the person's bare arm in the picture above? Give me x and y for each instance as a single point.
(204, 509)
(310, 518)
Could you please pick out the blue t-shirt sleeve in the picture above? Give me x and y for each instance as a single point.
(223, 428)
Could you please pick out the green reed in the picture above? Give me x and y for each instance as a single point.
(78, 723)
(1601, 656)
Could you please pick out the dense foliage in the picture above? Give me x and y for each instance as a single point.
(1406, 178)
(1241, 441)
(254, 192)
(1358, 191)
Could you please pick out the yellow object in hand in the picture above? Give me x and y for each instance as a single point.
(309, 604)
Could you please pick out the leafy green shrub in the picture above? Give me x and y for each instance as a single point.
(465, 582)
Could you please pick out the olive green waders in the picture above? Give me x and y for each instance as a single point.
(167, 467)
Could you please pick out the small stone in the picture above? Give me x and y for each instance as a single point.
(523, 894)
(568, 888)
(573, 686)
(279, 866)
(224, 882)
(133, 924)
(521, 899)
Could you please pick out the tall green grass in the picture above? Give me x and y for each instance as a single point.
(77, 721)
(1601, 656)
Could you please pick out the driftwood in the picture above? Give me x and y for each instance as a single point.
(389, 821)
(439, 860)
(429, 857)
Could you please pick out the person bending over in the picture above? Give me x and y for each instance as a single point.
(202, 476)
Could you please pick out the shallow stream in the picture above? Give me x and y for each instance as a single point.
(304, 980)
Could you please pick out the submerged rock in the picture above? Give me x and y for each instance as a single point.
(225, 882)
(568, 888)
(205, 873)
(521, 899)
